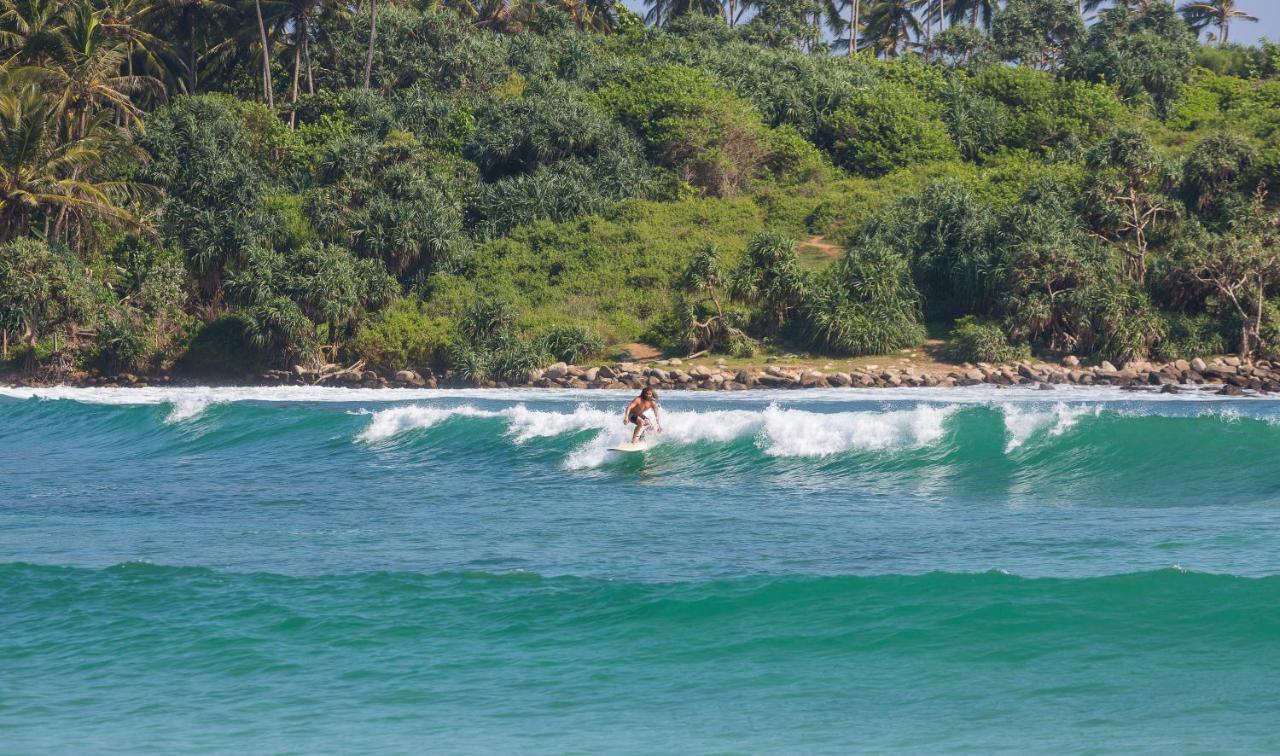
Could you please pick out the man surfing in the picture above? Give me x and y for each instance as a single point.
(648, 400)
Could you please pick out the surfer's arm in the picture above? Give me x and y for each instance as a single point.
(657, 418)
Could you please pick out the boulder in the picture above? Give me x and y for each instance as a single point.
(1198, 365)
(607, 372)
(1232, 361)
(1071, 361)
(556, 371)
(591, 374)
(700, 372)
(1107, 367)
(405, 376)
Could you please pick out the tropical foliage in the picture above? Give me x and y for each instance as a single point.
(484, 186)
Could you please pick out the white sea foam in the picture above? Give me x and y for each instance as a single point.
(776, 431)
(185, 408)
(796, 433)
(1023, 423)
(392, 422)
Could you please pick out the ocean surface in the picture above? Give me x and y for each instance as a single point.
(920, 571)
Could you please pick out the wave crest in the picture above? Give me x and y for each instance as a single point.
(777, 432)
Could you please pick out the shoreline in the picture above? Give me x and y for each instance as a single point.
(1228, 376)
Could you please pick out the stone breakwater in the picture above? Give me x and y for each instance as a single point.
(1227, 375)
(1230, 375)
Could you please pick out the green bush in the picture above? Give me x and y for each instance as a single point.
(1189, 336)
(974, 339)
(884, 127)
(489, 348)
(690, 124)
(223, 345)
(405, 336)
(571, 343)
(865, 305)
(120, 344)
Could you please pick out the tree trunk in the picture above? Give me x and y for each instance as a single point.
(854, 10)
(297, 71)
(4, 349)
(191, 54)
(306, 50)
(373, 38)
(266, 58)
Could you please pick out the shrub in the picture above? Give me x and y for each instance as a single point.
(884, 127)
(488, 348)
(709, 136)
(1189, 336)
(1141, 52)
(223, 345)
(571, 343)
(770, 279)
(866, 305)
(405, 336)
(120, 343)
(977, 340)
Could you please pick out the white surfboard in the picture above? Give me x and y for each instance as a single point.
(639, 446)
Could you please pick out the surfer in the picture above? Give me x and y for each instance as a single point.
(648, 400)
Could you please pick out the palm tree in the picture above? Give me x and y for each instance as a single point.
(128, 21)
(90, 71)
(664, 11)
(1219, 13)
(47, 172)
(891, 25)
(974, 11)
(29, 30)
(844, 19)
(300, 19)
(194, 19)
(596, 15)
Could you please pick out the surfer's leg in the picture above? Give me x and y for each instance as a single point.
(635, 434)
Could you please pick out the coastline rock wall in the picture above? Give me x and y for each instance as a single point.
(1229, 375)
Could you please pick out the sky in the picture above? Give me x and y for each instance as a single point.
(1267, 11)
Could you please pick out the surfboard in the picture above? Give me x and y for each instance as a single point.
(639, 446)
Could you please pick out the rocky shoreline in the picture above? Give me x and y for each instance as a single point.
(1231, 376)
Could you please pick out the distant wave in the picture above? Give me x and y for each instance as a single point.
(1169, 597)
(777, 431)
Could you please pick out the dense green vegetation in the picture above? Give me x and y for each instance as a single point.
(488, 186)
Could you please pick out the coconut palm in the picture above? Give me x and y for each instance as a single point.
(664, 11)
(90, 71)
(29, 30)
(595, 15)
(973, 11)
(46, 172)
(930, 12)
(1219, 13)
(891, 26)
(193, 20)
(130, 22)
(845, 20)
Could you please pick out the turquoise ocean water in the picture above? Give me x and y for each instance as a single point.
(960, 571)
